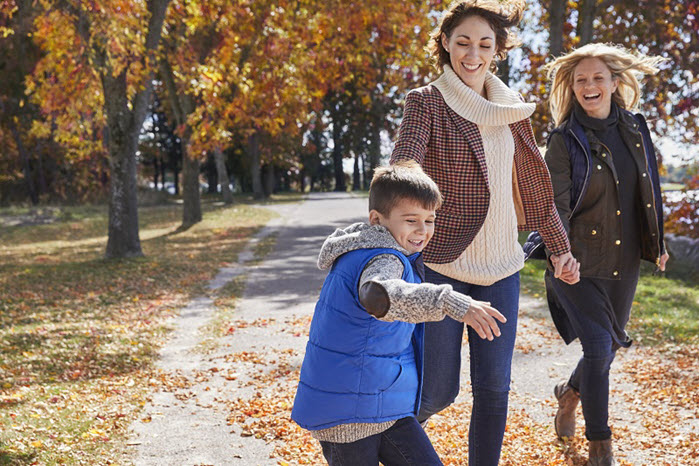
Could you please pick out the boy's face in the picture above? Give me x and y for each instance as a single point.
(409, 222)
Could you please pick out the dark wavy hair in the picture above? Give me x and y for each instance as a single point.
(500, 15)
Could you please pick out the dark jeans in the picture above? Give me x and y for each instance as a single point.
(405, 443)
(591, 376)
(490, 366)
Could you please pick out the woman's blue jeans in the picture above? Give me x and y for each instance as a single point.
(490, 366)
(404, 444)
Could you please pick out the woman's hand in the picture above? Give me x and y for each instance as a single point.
(663, 261)
(480, 317)
(566, 268)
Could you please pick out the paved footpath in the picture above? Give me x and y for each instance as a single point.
(188, 425)
(191, 428)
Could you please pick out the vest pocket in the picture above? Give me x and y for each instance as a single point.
(400, 397)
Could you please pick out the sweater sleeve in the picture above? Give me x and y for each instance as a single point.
(412, 302)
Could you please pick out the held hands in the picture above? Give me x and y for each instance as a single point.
(480, 317)
(566, 267)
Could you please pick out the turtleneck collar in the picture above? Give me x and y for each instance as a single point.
(596, 124)
(502, 107)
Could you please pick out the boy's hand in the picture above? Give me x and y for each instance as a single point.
(480, 317)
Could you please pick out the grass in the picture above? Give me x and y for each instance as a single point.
(672, 186)
(79, 334)
(665, 308)
(531, 278)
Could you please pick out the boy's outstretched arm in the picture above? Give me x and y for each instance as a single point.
(386, 296)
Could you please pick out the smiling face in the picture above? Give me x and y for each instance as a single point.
(471, 48)
(409, 222)
(593, 86)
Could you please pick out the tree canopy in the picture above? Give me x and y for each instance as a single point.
(278, 92)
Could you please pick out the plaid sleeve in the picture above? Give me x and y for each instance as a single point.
(414, 131)
(554, 235)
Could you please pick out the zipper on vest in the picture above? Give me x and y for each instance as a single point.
(587, 173)
(652, 192)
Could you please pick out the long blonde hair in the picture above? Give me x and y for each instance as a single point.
(624, 65)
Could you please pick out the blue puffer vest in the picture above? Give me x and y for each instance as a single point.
(358, 368)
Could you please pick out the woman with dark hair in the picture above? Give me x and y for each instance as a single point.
(472, 135)
(607, 192)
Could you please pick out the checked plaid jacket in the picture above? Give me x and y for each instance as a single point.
(450, 150)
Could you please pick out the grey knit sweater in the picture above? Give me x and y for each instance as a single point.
(408, 302)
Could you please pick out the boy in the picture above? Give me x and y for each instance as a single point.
(360, 382)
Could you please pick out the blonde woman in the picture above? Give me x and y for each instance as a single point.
(605, 179)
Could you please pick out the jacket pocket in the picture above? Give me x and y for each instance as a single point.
(586, 243)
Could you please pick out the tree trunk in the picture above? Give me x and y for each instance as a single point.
(223, 179)
(557, 13)
(156, 173)
(255, 173)
(191, 198)
(176, 179)
(162, 169)
(365, 177)
(211, 175)
(269, 180)
(26, 166)
(337, 157)
(123, 239)
(124, 122)
(42, 188)
(374, 151)
(504, 70)
(182, 106)
(356, 176)
(586, 11)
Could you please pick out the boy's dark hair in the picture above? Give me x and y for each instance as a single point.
(403, 180)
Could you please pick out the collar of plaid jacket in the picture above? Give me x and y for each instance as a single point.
(503, 106)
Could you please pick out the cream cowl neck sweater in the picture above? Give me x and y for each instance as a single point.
(494, 253)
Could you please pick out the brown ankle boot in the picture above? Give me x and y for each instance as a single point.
(568, 399)
(601, 453)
